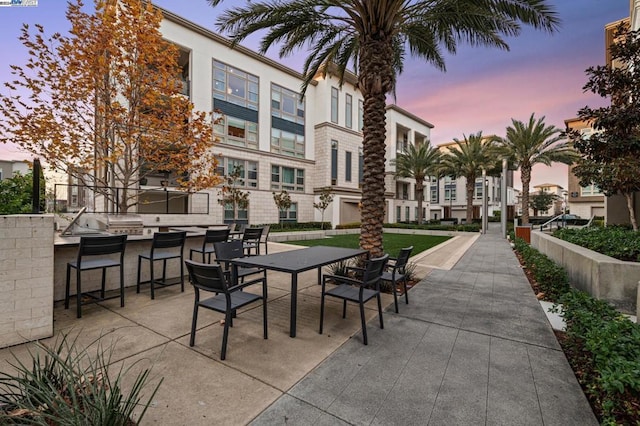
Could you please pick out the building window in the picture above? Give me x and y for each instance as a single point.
(286, 104)
(347, 166)
(235, 131)
(240, 214)
(398, 214)
(360, 167)
(360, 115)
(287, 178)
(403, 143)
(434, 189)
(248, 171)
(334, 162)
(590, 191)
(334, 105)
(407, 210)
(402, 190)
(287, 143)
(449, 189)
(233, 85)
(289, 215)
(348, 111)
(478, 189)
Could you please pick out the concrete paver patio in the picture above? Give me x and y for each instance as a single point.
(472, 347)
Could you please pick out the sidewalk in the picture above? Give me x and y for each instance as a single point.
(473, 348)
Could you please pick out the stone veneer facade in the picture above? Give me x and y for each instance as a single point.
(26, 278)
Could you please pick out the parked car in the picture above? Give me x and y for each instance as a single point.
(568, 217)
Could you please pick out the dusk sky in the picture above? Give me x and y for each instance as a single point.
(481, 90)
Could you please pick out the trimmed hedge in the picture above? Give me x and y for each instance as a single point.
(614, 241)
(552, 278)
(297, 226)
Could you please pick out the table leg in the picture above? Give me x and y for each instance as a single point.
(294, 305)
(320, 275)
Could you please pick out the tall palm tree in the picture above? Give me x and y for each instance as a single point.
(468, 158)
(528, 144)
(418, 163)
(373, 36)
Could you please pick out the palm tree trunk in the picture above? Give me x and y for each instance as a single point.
(470, 187)
(632, 211)
(526, 180)
(375, 81)
(419, 197)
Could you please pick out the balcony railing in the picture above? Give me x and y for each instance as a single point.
(72, 198)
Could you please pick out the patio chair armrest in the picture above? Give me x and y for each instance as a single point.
(247, 283)
(341, 278)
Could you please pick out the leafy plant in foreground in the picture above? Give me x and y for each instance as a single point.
(65, 385)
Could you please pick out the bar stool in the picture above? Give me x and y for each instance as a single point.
(162, 241)
(91, 247)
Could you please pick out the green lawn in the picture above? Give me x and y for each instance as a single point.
(392, 242)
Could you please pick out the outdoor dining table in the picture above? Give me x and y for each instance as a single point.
(295, 262)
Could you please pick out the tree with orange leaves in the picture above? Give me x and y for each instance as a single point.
(104, 104)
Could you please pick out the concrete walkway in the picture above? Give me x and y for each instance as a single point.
(473, 347)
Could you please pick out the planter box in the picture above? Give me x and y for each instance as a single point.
(601, 276)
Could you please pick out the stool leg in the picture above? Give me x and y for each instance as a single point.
(153, 295)
(182, 274)
(66, 290)
(138, 279)
(121, 286)
(104, 281)
(78, 294)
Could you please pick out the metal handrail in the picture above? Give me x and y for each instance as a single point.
(550, 222)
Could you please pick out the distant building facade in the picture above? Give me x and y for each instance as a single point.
(8, 168)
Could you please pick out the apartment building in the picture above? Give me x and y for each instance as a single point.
(8, 168)
(283, 142)
(449, 196)
(584, 201)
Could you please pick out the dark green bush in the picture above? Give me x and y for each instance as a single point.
(463, 228)
(608, 345)
(551, 278)
(298, 226)
(613, 241)
(354, 225)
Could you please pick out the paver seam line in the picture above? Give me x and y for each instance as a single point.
(444, 374)
(176, 340)
(304, 402)
(404, 367)
(478, 332)
(535, 386)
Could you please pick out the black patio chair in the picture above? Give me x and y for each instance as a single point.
(264, 237)
(228, 297)
(225, 251)
(210, 237)
(358, 291)
(395, 272)
(93, 247)
(251, 240)
(165, 246)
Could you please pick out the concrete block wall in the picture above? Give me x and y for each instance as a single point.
(26, 278)
(601, 276)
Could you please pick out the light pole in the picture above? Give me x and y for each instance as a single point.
(503, 198)
(564, 209)
(485, 204)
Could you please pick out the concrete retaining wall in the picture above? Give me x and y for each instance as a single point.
(601, 276)
(26, 278)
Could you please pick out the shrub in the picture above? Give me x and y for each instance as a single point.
(299, 226)
(609, 348)
(64, 385)
(550, 277)
(613, 241)
(353, 225)
(462, 228)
